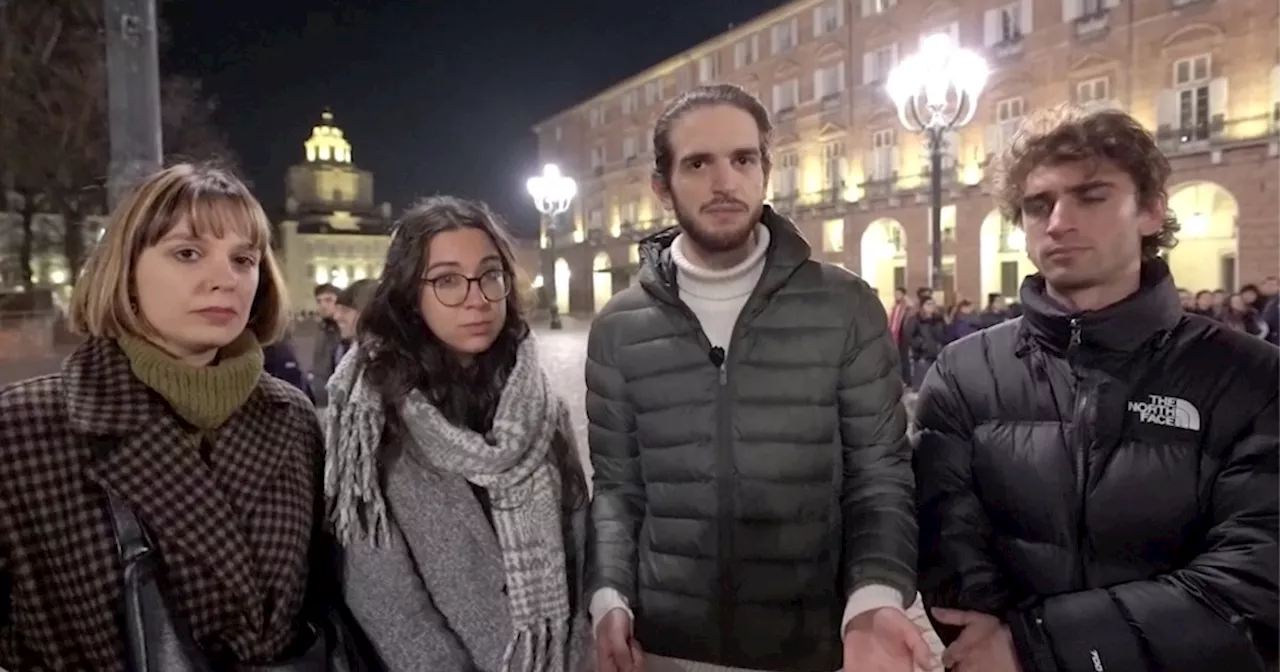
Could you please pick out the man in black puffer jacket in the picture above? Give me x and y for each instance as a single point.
(1097, 481)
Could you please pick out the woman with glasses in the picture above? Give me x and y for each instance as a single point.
(454, 483)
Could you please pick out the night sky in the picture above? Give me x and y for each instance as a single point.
(436, 96)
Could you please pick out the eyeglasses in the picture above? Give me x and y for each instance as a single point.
(452, 289)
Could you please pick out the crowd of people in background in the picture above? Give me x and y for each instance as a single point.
(921, 327)
(1254, 309)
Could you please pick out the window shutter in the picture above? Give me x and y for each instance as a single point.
(1028, 9)
(818, 93)
(795, 32)
(893, 161)
(868, 68)
(1070, 10)
(991, 28)
(992, 139)
(1166, 111)
(840, 12)
(867, 7)
(1218, 102)
(817, 20)
(840, 81)
(1275, 85)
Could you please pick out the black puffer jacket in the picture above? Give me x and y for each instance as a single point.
(736, 508)
(1107, 483)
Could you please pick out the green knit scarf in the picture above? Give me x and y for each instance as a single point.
(204, 396)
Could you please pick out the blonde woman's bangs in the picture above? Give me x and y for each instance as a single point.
(210, 213)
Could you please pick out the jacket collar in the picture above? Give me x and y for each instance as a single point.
(1122, 327)
(787, 251)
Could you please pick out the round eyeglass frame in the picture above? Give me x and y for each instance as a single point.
(505, 276)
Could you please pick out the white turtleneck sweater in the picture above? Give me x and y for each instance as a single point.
(716, 298)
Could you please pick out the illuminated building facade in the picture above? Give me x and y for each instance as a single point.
(333, 230)
(1202, 74)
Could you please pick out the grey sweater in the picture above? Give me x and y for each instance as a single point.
(434, 599)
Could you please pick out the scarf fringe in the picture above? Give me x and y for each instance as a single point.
(541, 647)
(353, 434)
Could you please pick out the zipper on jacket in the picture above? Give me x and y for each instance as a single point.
(1084, 395)
(725, 464)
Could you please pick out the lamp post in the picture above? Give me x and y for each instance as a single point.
(133, 93)
(552, 195)
(936, 90)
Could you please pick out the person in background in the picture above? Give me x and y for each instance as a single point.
(963, 321)
(164, 408)
(1219, 301)
(1097, 480)
(926, 335)
(898, 316)
(280, 359)
(1240, 315)
(346, 314)
(997, 310)
(1271, 318)
(1252, 298)
(456, 487)
(1204, 305)
(324, 357)
(1187, 300)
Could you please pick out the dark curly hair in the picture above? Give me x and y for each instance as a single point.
(399, 353)
(1067, 133)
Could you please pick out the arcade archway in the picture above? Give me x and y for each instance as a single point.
(1205, 257)
(562, 286)
(884, 257)
(1004, 262)
(601, 280)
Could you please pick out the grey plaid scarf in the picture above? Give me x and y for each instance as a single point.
(512, 464)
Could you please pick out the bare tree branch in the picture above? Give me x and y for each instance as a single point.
(54, 135)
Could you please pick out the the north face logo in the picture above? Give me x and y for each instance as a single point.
(1167, 411)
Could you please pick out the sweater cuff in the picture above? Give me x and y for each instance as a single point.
(867, 598)
(604, 601)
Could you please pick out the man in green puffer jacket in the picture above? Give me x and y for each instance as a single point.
(753, 500)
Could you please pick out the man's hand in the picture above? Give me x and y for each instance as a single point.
(984, 644)
(616, 647)
(885, 640)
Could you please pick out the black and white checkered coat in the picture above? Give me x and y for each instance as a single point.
(233, 527)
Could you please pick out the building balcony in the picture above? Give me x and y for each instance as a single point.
(1093, 26)
(785, 205)
(1219, 133)
(1189, 4)
(834, 110)
(1010, 48)
(784, 121)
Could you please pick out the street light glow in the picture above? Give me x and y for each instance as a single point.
(552, 192)
(936, 91)
(937, 87)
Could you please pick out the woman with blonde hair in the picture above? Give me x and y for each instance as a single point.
(159, 496)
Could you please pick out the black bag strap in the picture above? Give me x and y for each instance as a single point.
(132, 541)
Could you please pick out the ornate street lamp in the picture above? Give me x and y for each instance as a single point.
(552, 195)
(936, 90)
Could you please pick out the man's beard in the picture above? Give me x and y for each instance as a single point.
(718, 241)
